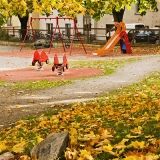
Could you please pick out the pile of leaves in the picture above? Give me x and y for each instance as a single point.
(124, 124)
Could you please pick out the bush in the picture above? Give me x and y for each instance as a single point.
(3, 34)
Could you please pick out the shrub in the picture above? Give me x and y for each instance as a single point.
(3, 34)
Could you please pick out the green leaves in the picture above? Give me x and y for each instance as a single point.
(146, 5)
(68, 8)
(96, 8)
(101, 7)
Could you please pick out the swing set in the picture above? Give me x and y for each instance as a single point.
(75, 30)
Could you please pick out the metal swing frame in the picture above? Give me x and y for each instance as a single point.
(75, 30)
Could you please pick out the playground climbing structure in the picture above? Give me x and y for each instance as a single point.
(120, 32)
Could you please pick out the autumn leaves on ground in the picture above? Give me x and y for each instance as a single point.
(122, 125)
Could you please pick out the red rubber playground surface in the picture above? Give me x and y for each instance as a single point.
(32, 74)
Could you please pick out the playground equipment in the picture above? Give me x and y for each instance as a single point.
(121, 28)
(40, 58)
(75, 30)
(126, 40)
(60, 66)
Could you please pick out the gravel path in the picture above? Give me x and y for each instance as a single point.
(83, 90)
(10, 63)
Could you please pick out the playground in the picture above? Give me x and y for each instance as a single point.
(18, 105)
(61, 56)
(17, 65)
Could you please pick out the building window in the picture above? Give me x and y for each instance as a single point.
(87, 22)
(49, 27)
(137, 7)
(9, 21)
(68, 30)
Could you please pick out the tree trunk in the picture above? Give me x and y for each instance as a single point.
(23, 21)
(118, 16)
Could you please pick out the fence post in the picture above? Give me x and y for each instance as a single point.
(87, 35)
(7, 36)
(13, 31)
(159, 36)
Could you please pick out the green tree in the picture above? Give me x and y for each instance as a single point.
(2, 20)
(98, 8)
(22, 8)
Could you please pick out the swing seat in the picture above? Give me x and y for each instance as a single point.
(47, 45)
(67, 45)
(38, 43)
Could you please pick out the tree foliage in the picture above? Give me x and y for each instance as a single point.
(2, 20)
(97, 8)
(45, 7)
(22, 8)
